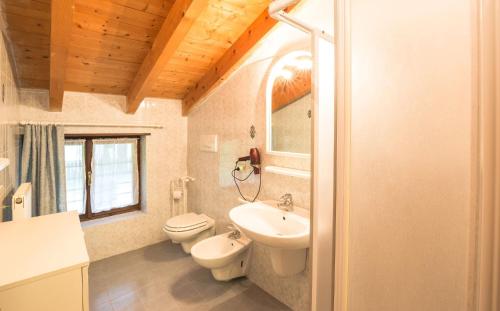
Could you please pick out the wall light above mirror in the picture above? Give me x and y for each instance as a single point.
(288, 105)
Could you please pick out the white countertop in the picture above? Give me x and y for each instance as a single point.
(37, 247)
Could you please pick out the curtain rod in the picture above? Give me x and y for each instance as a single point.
(69, 124)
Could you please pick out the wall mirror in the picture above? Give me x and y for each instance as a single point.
(288, 105)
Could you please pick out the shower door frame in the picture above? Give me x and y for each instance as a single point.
(338, 164)
(322, 185)
(342, 152)
(329, 165)
(484, 267)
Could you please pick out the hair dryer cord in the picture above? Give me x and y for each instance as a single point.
(236, 179)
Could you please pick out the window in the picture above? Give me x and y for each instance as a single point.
(102, 175)
(74, 154)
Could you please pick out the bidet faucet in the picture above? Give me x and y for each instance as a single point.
(235, 232)
(286, 202)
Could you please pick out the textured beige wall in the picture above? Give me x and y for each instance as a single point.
(165, 160)
(229, 112)
(8, 113)
(411, 153)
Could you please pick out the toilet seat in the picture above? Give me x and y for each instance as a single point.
(188, 229)
(187, 222)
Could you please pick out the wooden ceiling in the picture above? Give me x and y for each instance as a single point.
(288, 90)
(138, 48)
(27, 25)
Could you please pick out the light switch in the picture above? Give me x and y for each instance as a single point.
(208, 143)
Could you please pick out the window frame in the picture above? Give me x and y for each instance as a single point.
(89, 147)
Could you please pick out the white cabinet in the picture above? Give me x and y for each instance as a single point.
(43, 264)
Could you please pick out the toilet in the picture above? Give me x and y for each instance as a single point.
(188, 229)
(227, 258)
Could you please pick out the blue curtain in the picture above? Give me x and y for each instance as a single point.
(42, 164)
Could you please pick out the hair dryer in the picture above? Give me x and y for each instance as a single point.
(254, 158)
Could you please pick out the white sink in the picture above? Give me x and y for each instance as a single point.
(287, 233)
(270, 226)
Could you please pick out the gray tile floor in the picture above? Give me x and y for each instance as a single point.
(163, 277)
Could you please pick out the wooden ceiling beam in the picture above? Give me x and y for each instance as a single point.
(230, 60)
(176, 26)
(60, 34)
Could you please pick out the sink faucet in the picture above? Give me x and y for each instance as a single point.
(235, 233)
(286, 202)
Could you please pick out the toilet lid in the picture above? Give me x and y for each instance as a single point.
(186, 222)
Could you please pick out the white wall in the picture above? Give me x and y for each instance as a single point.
(165, 160)
(229, 112)
(411, 155)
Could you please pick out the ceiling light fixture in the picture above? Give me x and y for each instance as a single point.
(287, 74)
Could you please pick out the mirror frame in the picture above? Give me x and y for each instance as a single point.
(274, 72)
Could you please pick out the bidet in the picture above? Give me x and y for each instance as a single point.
(226, 256)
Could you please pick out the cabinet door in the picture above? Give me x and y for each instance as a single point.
(59, 292)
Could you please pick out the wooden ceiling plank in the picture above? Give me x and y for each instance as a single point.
(190, 65)
(34, 83)
(84, 37)
(188, 79)
(176, 26)
(175, 73)
(140, 5)
(120, 13)
(35, 65)
(113, 27)
(200, 48)
(198, 55)
(26, 24)
(111, 53)
(234, 56)
(26, 12)
(26, 53)
(26, 39)
(85, 63)
(30, 5)
(102, 76)
(157, 7)
(173, 82)
(109, 47)
(34, 70)
(180, 89)
(99, 47)
(116, 89)
(60, 35)
(104, 55)
(167, 94)
(191, 59)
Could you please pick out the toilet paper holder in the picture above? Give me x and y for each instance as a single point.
(178, 195)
